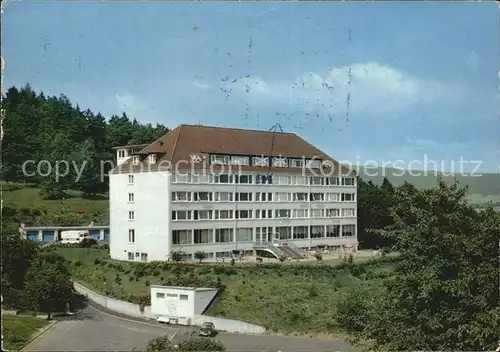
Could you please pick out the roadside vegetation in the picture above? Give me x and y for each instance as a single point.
(18, 330)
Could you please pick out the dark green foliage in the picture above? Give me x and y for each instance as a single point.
(51, 128)
(443, 294)
(201, 344)
(87, 243)
(177, 256)
(200, 255)
(48, 286)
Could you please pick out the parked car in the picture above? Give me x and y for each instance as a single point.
(207, 329)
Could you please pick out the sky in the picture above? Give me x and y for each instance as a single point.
(401, 83)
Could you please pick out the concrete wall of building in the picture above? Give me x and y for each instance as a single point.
(133, 310)
(151, 207)
(166, 301)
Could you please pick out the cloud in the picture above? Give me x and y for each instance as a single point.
(368, 87)
(202, 85)
(472, 61)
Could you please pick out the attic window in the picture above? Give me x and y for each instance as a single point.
(220, 159)
(135, 160)
(152, 158)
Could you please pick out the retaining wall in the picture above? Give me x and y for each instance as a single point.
(133, 310)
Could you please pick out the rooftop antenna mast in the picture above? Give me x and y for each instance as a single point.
(268, 179)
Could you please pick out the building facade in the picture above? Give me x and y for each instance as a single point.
(220, 190)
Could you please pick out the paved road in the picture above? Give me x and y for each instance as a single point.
(94, 330)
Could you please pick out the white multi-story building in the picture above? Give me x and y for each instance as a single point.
(220, 190)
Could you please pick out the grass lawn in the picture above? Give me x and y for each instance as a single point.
(285, 297)
(18, 330)
(27, 196)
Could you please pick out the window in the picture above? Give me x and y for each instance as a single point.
(137, 254)
(332, 197)
(300, 213)
(181, 196)
(223, 235)
(201, 178)
(240, 160)
(348, 197)
(131, 236)
(160, 295)
(282, 197)
(283, 213)
(131, 215)
(244, 197)
(181, 236)
(121, 153)
(223, 214)
(317, 231)
(264, 214)
(203, 197)
(263, 197)
(333, 181)
(223, 179)
(181, 215)
(332, 230)
(300, 232)
(300, 197)
(299, 180)
(313, 164)
(264, 179)
(202, 215)
(348, 213)
(280, 162)
(332, 213)
(219, 159)
(243, 179)
(130, 197)
(316, 181)
(348, 230)
(296, 162)
(317, 213)
(130, 256)
(152, 159)
(284, 233)
(284, 180)
(172, 295)
(244, 214)
(223, 196)
(181, 178)
(144, 257)
(348, 181)
(244, 234)
(317, 197)
(203, 236)
(135, 160)
(130, 179)
(260, 161)
(183, 297)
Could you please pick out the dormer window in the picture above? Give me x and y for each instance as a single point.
(296, 163)
(280, 162)
(219, 159)
(314, 164)
(135, 160)
(152, 159)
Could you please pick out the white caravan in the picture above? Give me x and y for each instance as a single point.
(73, 236)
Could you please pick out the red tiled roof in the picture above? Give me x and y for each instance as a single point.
(177, 146)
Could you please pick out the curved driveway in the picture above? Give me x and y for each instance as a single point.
(92, 329)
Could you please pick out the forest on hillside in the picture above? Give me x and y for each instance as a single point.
(39, 127)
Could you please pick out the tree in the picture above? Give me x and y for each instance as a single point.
(48, 286)
(444, 291)
(200, 255)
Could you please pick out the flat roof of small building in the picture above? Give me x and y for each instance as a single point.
(184, 288)
(131, 146)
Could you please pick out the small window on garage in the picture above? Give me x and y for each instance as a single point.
(160, 295)
(171, 295)
(183, 297)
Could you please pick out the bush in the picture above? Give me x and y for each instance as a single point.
(200, 255)
(177, 256)
(201, 344)
(87, 243)
(318, 256)
(161, 343)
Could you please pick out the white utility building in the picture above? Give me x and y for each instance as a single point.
(179, 305)
(221, 190)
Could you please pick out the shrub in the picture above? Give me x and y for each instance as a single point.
(200, 255)
(201, 344)
(87, 243)
(177, 256)
(282, 258)
(318, 256)
(161, 343)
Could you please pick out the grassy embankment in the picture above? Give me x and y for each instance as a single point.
(19, 329)
(283, 297)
